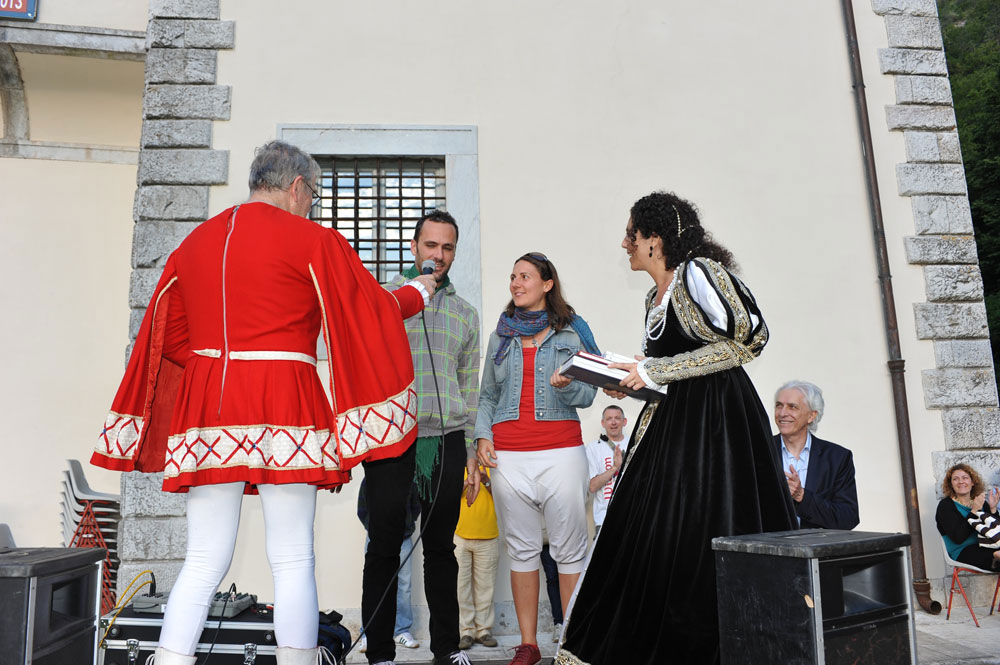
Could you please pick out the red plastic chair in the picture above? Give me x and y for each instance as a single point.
(959, 567)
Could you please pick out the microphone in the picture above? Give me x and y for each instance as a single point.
(427, 267)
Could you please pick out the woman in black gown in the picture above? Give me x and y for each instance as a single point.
(700, 463)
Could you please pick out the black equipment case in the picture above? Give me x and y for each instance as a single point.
(245, 639)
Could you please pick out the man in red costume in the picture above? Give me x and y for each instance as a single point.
(222, 395)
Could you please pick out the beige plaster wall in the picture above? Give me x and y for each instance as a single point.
(65, 243)
(116, 14)
(745, 109)
(83, 100)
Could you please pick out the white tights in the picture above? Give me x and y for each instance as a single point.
(213, 517)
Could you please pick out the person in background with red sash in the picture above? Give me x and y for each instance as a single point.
(221, 392)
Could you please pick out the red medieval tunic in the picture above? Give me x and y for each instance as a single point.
(222, 384)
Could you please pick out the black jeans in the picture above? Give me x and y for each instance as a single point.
(440, 564)
(388, 484)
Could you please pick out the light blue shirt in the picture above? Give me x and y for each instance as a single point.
(800, 463)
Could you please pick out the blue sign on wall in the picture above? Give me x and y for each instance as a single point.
(26, 10)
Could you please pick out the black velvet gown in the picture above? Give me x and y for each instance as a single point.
(700, 464)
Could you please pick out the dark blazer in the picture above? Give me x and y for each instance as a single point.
(830, 499)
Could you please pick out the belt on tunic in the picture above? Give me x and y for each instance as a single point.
(259, 355)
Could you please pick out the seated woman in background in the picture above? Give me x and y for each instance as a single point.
(965, 506)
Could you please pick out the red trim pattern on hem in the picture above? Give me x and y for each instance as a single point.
(367, 429)
(321, 478)
(111, 463)
(120, 434)
(251, 447)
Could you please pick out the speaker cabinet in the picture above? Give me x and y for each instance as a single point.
(815, 597)
(50, 598)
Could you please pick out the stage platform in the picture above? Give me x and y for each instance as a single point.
(939, 642)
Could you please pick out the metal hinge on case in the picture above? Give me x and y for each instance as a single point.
(132, 647)
(249, 653)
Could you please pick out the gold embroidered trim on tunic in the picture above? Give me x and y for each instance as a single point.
(640, 431)
(720, 352)
(564, 657)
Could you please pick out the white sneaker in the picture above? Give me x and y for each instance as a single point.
(556, 632)
(363, 644)
(407, 640)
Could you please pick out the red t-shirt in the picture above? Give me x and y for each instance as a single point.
(526, 433)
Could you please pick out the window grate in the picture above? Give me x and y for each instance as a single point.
(375, 203)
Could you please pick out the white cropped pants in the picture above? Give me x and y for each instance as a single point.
(213, 517)
(543, 488)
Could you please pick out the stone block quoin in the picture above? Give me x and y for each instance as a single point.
(185, 133)
(177, 165)
(181, 101)
(954, 316)
(200, 34)
(905, 7)
(169, 65)
(204, 9)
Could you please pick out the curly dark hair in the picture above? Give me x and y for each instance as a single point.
(656, 215)
(977, 482)
(560, 311)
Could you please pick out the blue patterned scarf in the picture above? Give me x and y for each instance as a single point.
(524, 323)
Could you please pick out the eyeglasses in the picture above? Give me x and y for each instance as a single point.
(315, 195)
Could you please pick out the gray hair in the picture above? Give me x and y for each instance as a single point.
(813, 396)
(276, 164)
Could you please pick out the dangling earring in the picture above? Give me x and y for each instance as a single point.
(650, 251)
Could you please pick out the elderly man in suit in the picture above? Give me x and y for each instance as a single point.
(820, 473)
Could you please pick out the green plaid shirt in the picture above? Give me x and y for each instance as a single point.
(453, 328)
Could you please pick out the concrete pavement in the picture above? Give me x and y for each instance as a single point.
(940, 641)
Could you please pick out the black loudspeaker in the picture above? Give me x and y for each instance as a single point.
(815, 597)
(50, 598)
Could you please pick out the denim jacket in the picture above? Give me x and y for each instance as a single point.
(500, 392)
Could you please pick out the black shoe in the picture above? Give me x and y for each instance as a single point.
(454, 658)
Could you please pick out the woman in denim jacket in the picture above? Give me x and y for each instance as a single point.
(528, 430)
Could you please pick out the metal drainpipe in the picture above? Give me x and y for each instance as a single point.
(921, 587)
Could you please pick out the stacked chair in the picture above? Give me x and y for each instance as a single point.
(90, 519)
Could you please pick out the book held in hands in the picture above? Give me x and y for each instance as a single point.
(593, 369)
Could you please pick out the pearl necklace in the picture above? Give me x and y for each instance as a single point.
(654, 329)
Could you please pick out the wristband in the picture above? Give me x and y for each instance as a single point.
(420, 287)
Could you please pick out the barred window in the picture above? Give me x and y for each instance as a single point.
(375, 203)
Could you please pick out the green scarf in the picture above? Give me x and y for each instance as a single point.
(427, 446)
(414, 271)
(427, 456)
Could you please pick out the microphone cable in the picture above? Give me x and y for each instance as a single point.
(424, 518)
